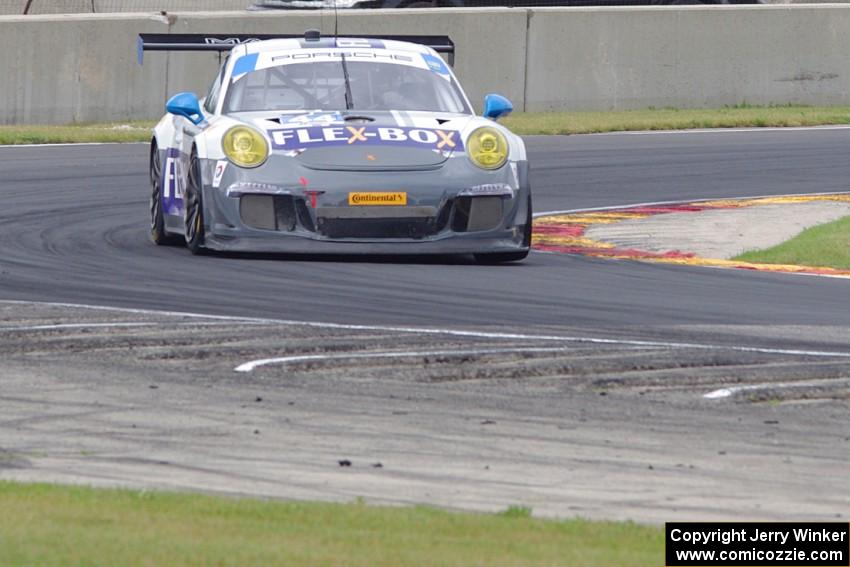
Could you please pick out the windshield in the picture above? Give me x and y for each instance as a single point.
(321, 86)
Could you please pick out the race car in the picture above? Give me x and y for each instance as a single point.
(337, 145)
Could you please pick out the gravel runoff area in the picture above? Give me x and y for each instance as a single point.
(722, 233)
(567, 427)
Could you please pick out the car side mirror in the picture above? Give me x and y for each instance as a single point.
(496, 106)
(187, 106)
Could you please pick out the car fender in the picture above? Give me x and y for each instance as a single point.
(208, 141)
(163, 133)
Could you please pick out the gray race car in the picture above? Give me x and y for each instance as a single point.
(336, 145)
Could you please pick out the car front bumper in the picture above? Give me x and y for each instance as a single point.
(443, 213)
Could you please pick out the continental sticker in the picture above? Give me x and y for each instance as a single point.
(398, 198)
(340, 136)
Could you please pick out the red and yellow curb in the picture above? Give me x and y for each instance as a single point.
(566, 233)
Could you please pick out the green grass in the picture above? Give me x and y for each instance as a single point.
(826, 245)
(525, 123)
(673, 119)
(136, 131)
(50, 525)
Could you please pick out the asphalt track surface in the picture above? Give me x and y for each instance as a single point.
(74, 225)
(520, 408)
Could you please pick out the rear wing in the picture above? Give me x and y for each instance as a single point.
(216, 42)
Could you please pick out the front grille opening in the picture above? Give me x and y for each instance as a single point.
(443, 217)
(284, 212)
(474, 214)
(377, 228)
(460, 218)
(305, 219)
(268, 212)
(394, 225)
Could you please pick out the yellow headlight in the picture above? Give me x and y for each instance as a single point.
(245, 146)
(487, 148)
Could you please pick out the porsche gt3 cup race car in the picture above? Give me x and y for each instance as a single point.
(315, 144)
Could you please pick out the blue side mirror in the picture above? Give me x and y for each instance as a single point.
(185, 105)
(496, 106)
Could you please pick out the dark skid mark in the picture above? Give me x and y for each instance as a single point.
(809, 76)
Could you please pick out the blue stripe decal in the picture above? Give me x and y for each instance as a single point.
(245, 64)
(436, 64)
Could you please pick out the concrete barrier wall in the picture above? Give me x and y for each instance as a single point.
(85, 66)
(77, 69)
(81, 68)
(40, 7)
(107, 6)
(14, 7)
(693, 56)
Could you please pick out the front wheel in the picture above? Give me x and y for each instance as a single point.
(158, 234)
(193, 220)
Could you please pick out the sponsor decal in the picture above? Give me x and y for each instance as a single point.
(174, 181)
(318, 118)
(384, 198)
(320, 54)
(316, 137)
(437, 65)
(229, 40)
(220, 166)
(353, 55)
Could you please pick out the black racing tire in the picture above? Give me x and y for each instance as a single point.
(193, 202)
(158, 234)
(505, 257)
(500, 257)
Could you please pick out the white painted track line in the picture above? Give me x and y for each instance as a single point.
(732, 390)
(119, 324)
(446, 331)
(249, 366)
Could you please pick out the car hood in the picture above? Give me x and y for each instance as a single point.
(363, 140)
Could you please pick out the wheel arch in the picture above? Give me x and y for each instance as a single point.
(200, 146)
